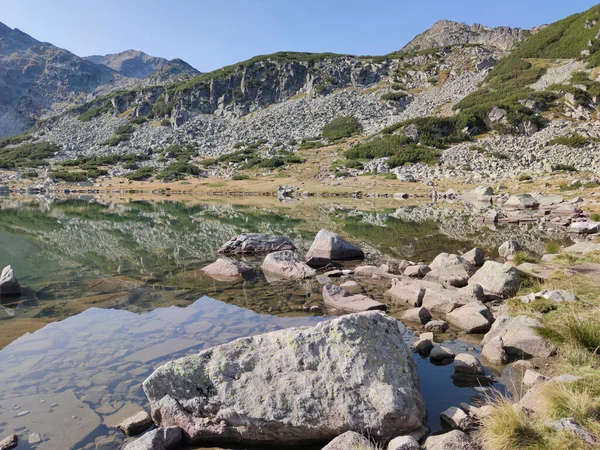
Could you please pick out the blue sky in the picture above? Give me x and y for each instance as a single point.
(209, 34)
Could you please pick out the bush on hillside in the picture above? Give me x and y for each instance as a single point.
(341, 127)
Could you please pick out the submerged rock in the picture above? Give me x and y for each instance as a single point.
(8, 282)
(330, 245)
(339, 298)
(285, 387)
(226, 269)
(286, 264)
(256, 243)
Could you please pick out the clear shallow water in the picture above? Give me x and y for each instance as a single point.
(112, 290)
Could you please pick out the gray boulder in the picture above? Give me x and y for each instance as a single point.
(224, 269)
(456, 418)
(417, 315)
(136, 424)
(499, 279)
(569, 424)
(467, 364)
(446, 260)
(441, 354)
(494, 351)
(519, 337)
(403, 443)
(286, 388)
(256, 243)
(158, 439)
(474, 317)
(417, 271)
(509, 249)
(330, 245)
(286, 264)
(339, 298)
(9, 442)
(474, 257)
(456, 276)
(349, 440)
(8, 282)
(521, 201)
(557, 295)
(454, 440)
(437, 326)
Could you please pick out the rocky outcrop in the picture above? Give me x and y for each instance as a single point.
(256, 243)
(284, 387)
(445, 33)
(331, 246)
(137, 64)
(286, 264)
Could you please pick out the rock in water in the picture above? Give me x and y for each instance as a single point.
(8, 282)
(224, 269)
(286, 264)
(330, 245)
(339, 298)
(9, 442)
(256, 243)
(294, 386)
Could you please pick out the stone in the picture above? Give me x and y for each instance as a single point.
(496, 114)
(473, 317)
(521, 201)
(136, 424)
(557, 295)
(417, 271)
(286, 264)
(437, 326)
(330, 245)
(456, 276)
(353, 287)
(534, 399)
(438, 299)
(372, 271)
(339, 298)
(423, 346)
(494, 351)
(483, 191)
(453, 440)
(172, 437)
(446, 260)
(349, 440)
(226, 269)
(417, 315)
(406, 291)
(569, 424)
(532, 377)
(441, 354)
(152, 440)
(400, 195)
(499, 279)
(285, 388)
(519, 337)
(8, 282)
(584, 227)
(256, 243)
(509, 249)
(317, 263)
(474, 257)
(521, 365)
(403, 443)
(456, 418)
(9, 442)
(34, 438)
(467, 364)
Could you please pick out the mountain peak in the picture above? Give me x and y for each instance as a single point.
(134, 63)
(447, 32)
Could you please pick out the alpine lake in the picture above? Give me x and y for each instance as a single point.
(112, 289)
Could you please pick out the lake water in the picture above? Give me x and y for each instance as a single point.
(112, 289)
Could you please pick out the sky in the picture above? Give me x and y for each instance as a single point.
(209, 34)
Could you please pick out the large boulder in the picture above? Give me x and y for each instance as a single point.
(441, 300)
(474, 317)
(157, 439)
(521, 201)
(8, 282)
(224, 269)
(446, 260)
(509, 249)
(256, 243)
(286, 264)
(349, 440)
(339, 298)
(499, 279)
(519, 337)
(474, 257)
(294, 386)
(454, 440)
(330, 245)
(456, 276)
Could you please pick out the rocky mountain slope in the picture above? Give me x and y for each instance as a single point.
(468, 107)
(137, 64)
(447, 32)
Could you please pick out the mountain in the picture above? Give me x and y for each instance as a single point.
(37, 77)
(446, 32)
(137, 64)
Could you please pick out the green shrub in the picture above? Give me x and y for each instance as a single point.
(113, 141)
(307, 145)
(27, 155)
(397, 87)
(165, 123)
(94, 112)
(209, 162)
(239, 176)
(553, 247)
(378, 147)
(125, 129)
(564, 167)
(140, 174)
(131, 165)
(138, 120)
(353, 164)
(393, 96)
(574, 141)
(94, 173)
(341, 127)
(414, 155)
(30, 174)
(238, 144)
(15, 140)
(69, 177)
(178, 170)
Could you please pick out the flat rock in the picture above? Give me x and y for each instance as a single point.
(586, 227)
(349, 440)
(453, 440)
(499, 279)
(226, 393)
(286, 264)
(583, 248)
(557, 295)
(519, 337)
(446, 260)
(521, 201)
(342, 300)
(569, 424)
(474, 317)
(532, 377)
(417, 315)
(456, 276)
(441, 300)
(136, 424)
(467, 364)
(158, 439)
(224, 269)
(353, 287)
(256, 243)
(330, 245)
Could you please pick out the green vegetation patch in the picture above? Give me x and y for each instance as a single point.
(574, 141)
(341, 127)
(27, 155)
(399, 149)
